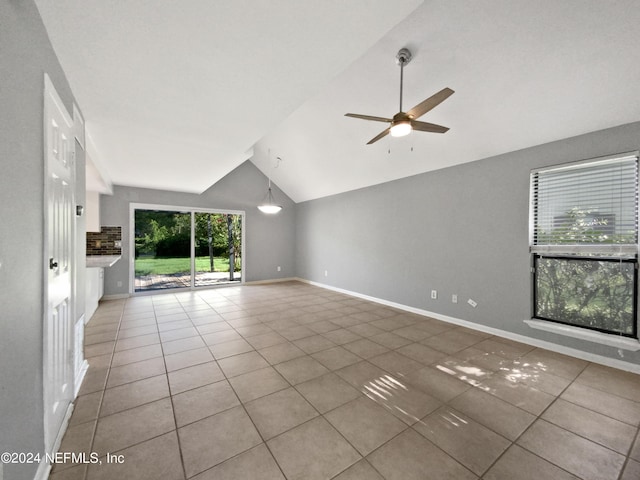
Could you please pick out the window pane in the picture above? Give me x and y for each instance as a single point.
(597, 294)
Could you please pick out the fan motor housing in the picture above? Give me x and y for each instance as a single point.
(400, 117)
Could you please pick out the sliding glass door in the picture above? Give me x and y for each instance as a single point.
(218, 246)
(178, 248)
(162, 250)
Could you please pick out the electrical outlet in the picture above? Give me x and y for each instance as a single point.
(454, 298)
(279, 269)
(473, 303)
(326, 273)
(434, 294)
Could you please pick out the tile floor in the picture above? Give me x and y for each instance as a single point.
(293, 381)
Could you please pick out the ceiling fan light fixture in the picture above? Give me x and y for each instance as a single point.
(400, 129)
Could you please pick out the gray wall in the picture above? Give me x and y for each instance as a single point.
(270, 239)
(25, 55)
(460, 230)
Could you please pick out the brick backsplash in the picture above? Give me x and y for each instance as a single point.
(103, 242)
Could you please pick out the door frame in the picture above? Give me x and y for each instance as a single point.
(192, 211)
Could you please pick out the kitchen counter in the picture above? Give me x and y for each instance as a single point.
(102, 261)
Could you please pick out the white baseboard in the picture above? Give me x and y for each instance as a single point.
(80, 365)
(554, 347)
(80, 377)
(118, 296)
(44, 468)
(63, 428)
(273, 280)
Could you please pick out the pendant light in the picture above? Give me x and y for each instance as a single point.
(269, 205)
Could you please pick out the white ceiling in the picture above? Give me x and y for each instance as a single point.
(175, 98)
(175, 93)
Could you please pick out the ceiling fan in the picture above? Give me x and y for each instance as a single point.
(403, 122)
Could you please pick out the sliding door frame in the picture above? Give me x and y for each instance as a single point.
(191, 211)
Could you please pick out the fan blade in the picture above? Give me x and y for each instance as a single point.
(367, 117)
(382, 134)
(431, 102)
(428, 127)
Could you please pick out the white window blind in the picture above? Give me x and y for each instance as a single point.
(586, 208)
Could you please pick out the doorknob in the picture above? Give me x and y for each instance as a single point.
(52, 264)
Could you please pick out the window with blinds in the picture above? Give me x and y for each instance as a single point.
(586, 208)
(584, 241)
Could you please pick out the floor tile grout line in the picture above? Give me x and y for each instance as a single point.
(538, 417)
(134, 407)
(602, 391)
(365, 460)
(244, 408)
(628, 458)
(412, 427)
(242, 404)
(104, 388)
(173, 412)
(363, 395)
(513, 442)
(506, 401)
(580, 435)
(146, 403)
(406, 427)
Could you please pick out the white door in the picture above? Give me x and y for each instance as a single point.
(59, 153)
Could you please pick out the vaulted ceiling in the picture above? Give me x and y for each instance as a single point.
(177, 94)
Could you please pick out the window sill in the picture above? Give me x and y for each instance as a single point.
(623, 343)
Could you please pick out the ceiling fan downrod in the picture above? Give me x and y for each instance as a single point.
(402, 58)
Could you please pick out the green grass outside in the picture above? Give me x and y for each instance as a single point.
(168, 266)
